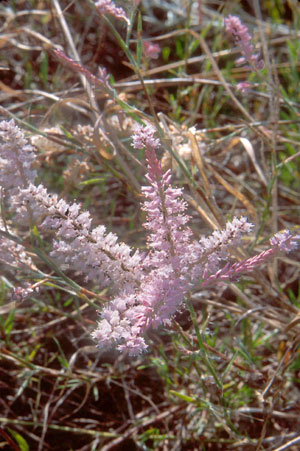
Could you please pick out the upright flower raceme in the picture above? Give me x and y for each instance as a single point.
(169, 240)
(242, 38)
(166, 269)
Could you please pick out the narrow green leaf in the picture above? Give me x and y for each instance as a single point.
(139, 46)
(23, 445)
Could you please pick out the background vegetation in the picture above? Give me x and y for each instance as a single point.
(57, 391)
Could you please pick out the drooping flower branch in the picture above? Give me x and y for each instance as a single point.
(94, 253)
(284, 242)
(77, 246)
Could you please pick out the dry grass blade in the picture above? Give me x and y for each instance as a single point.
(207, 217)
(70, 102)
(250, 151)
(288, 444)
(236, 193)
(206, 185)
(101, 137)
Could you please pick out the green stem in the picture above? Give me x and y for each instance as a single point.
(200, 343)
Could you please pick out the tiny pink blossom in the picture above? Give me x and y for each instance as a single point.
(21, 293)
(151, 50)
(109, 7)
(244, 87)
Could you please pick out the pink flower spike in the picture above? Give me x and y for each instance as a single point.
(149, 287)
(103, 77)
(242, 38)
(281, 241)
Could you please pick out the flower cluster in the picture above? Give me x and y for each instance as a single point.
(282, 241)
(16, 157)
(109, 7)
(175, 260)
(20, 293)
(90, 251)
(242, 38)
(151, 50)
(165, 275)
(149, 288)
(12, 253)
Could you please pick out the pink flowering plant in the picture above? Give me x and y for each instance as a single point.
(149, 288)
(149, 237)
(241, 36)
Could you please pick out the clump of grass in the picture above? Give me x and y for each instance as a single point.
(224, 376)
